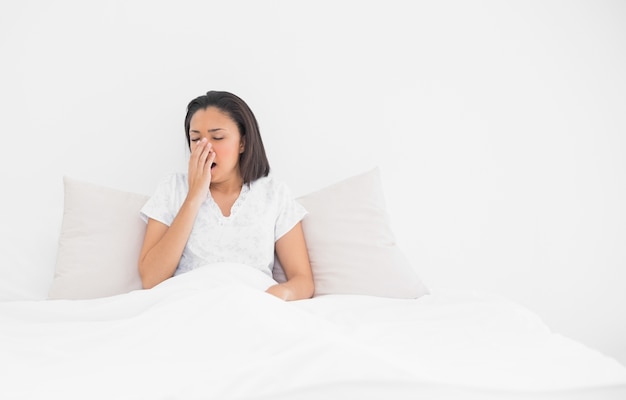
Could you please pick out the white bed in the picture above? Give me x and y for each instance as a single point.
(213, 333)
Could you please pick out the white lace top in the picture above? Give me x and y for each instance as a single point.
(263, 212)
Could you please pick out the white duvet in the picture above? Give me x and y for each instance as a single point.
(213, 333)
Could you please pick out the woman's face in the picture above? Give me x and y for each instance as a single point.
(225, 139)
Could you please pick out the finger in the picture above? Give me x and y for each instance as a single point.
(199, 154)
(210, 157)
(204, 168)
(196, 162)
(204, 156)
(196, 149)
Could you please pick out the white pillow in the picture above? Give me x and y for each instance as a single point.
(351, 245)
(99, 244)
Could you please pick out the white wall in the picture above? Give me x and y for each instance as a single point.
(499, 127)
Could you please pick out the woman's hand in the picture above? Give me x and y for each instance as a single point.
(294, 257)
(199, 176)
(281, 291)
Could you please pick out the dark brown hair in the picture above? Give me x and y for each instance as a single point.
(253, 162)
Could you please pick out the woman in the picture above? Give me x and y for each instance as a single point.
(226, 208)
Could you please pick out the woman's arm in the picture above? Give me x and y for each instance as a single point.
(163, 245)
(293, 256)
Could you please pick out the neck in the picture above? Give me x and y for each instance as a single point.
(231, 186)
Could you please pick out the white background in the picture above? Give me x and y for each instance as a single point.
(499, 128)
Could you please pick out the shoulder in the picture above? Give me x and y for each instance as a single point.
(174, 180)
(271, 191)
(165, 199)
(172, 185)
(270, 185)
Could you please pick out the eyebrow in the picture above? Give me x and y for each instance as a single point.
(210, 130)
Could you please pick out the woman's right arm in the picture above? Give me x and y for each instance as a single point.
(163, 245)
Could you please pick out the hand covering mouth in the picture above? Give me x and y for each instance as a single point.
(213, 165)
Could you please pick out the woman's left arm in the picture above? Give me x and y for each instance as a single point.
(293, 256)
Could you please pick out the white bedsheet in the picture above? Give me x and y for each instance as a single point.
(214, 334)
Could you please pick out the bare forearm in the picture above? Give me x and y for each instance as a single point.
(164, 246)
(160, 262)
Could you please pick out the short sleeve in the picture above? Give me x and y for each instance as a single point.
(161, 206)
(290, 212)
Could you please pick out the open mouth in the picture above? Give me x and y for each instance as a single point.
(213, 165)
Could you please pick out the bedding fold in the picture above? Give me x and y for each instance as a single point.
(214, 333)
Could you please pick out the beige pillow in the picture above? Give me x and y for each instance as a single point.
(99, 244)
(350, 242)
(351, 245)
